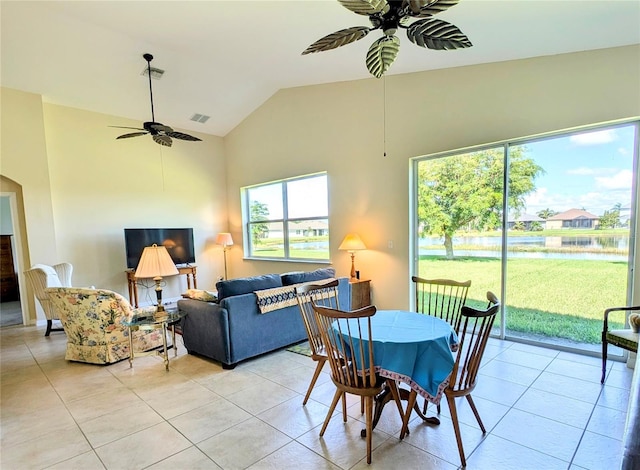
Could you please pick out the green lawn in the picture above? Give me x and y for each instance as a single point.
(569, 296)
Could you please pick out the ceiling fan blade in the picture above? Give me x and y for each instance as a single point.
(124, 127)
(337, 39)
(365, 7)
(182, 136)
(416, 5)
(381, 55)
(164, 140)
(133, 134)
(436, 7)
(436, 34)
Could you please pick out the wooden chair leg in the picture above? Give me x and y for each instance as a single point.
(368, 409)
(604, 358)
(456, 427)
(336, 397)
(407, 414)
(393, 386)
(475, 412)
(344, 407)
(316, 374)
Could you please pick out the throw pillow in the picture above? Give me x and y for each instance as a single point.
(197, 294)
(289, 279)
(247, 285)
(634, 321)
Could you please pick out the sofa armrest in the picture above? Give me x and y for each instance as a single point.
(205, 329)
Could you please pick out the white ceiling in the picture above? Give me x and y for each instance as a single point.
(226, 58)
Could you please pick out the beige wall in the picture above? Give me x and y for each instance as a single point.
(340, 128)
(82, 187)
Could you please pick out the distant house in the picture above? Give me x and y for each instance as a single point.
(526, 220)
(573, 218)
(307, 228)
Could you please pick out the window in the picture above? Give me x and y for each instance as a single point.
(287, 219)
(556, 241)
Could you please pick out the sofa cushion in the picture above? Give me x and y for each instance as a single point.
(247, 285)
(203, 295)
(289, 279)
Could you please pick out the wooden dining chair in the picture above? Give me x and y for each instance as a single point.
(352, 361)
(623, 338)
(325, 295)
(442, 298)
(475, 327)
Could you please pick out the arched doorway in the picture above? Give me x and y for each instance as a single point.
(14, 224)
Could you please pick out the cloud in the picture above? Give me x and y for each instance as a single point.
(595, 202)
(586, 171)
(594, 138)
(582, 171)
(621, 180)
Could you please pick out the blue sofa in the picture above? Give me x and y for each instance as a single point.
(233, 329)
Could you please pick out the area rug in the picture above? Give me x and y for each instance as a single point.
(301, 348)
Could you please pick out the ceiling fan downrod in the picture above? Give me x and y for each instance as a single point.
(148, 57)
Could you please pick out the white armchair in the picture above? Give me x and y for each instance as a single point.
(42, 276)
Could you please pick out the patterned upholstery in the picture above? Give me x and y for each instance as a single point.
(92, 320)
(42, 276)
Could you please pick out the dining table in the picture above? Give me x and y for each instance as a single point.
(410, 348)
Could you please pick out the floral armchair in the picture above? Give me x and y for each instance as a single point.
(92, 320)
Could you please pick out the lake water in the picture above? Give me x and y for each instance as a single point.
(592, 245)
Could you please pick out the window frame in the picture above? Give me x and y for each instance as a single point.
(285, 220)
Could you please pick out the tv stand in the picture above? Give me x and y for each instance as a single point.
(189, 271)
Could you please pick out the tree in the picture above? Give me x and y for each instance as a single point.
(259, 211)
(546, 213)
(466, 190)
(610, 219)
(536, 226)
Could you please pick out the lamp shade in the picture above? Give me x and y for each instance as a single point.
(155, 262)
(224, 239)
(352, 242)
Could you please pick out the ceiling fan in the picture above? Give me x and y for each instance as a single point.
(389, 15)
(160, 133)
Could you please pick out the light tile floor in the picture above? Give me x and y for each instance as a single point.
(543, 409)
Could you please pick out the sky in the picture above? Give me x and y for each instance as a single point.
(591, 171)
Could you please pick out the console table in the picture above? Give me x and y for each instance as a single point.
(189, 271)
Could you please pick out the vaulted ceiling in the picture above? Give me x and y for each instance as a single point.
(225, 58)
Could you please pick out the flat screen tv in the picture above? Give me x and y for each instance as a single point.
(178, 241)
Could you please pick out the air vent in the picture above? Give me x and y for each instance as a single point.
(155, 73)
(200, 118)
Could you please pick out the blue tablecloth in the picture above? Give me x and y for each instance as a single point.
(412, 348)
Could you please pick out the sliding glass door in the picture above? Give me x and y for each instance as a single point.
(545, 224)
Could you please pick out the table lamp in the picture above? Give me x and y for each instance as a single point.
(156, 263)
(224, 239)
(351, 243)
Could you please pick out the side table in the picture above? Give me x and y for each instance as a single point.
(360, 293)
(154, 321)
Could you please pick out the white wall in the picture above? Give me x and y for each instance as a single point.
(344, 128)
